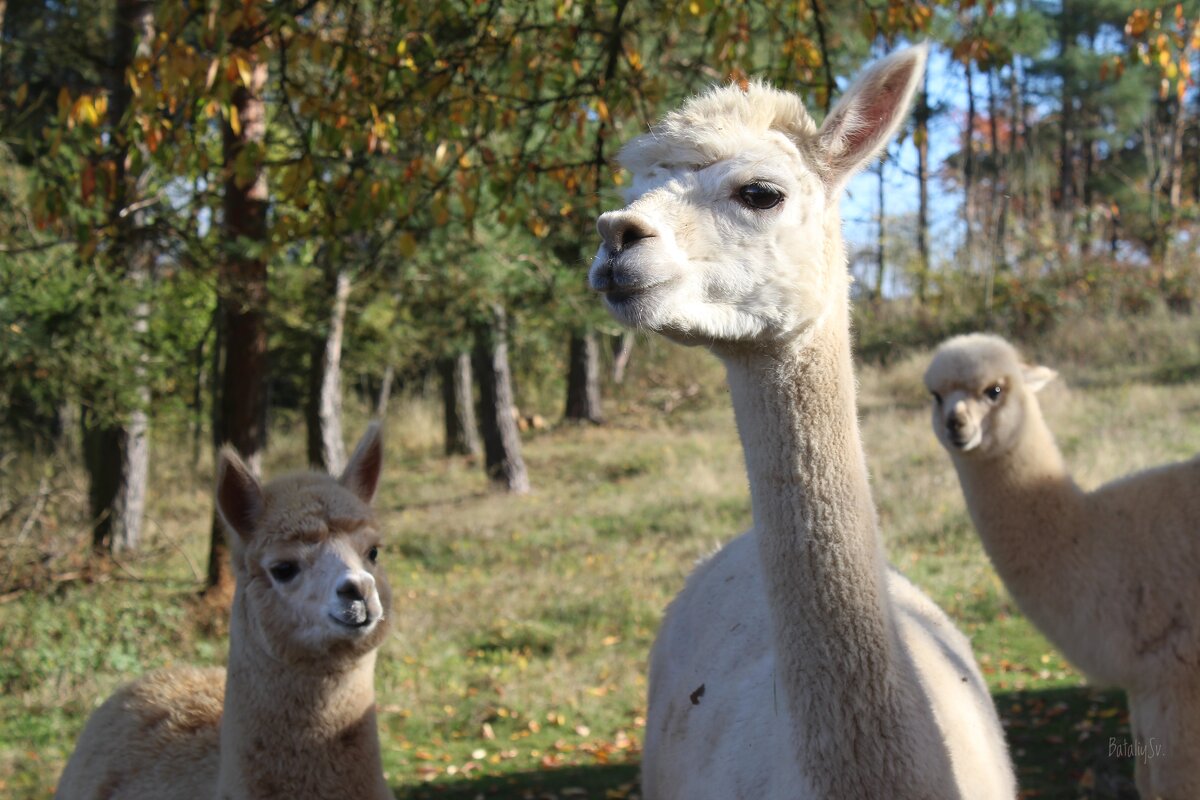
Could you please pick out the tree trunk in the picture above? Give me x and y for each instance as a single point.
(385, 392)
(326, 447)
(622, 349)
(458, 407)
(118, 475)
(881, 250)
(969, 169)
(242, 284)
(103, 456)
(583, 379)
(1066, 145)
(501, 440)
(921, 137)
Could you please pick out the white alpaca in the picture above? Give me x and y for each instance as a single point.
(294, 714)
(794, 664)
(1111, 576)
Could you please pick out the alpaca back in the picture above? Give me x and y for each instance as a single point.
(154, 739)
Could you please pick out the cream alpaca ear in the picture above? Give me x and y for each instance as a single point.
(1037, 376)
(239, 494)
(870, 111)
(361, 475)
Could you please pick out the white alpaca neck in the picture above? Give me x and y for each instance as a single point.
(861, 724)
(295, 730)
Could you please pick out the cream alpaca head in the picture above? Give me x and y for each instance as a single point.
(982, 393)
(305, 550)
(731, 232)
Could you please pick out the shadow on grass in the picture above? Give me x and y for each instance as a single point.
(1060, 740)
(565, 783)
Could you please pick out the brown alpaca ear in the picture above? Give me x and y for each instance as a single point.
(361, 474)
(870, 111)
(1036, 377)
(239, 494)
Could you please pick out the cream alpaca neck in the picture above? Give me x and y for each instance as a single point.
(1021, 499)
(275, 711)
(842, 672)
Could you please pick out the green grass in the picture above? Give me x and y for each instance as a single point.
(517, 664)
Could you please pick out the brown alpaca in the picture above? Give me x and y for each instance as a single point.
(293, 716)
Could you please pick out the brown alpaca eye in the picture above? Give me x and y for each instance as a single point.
(760, 196)
(373, 554)
(993, 393)
(284, 571)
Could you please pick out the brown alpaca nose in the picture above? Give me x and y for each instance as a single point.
(353, 589)
(621, 230)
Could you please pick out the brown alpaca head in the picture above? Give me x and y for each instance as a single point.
(306, 555)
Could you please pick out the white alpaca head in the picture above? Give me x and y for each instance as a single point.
(731, 229)
(982, 393)
(305, 551)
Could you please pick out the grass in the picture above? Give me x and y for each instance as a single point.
(516, 667)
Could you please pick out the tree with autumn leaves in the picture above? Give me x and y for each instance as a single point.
(212, 209)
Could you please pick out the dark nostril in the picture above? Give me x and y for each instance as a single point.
(622, 231)
(350, 590)
(954, 423)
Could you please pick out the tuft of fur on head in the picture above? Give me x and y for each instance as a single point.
(718, 124)
(972, 359)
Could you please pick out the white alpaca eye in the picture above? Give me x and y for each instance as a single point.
(760, 195)
(993, 393)
(373, 554)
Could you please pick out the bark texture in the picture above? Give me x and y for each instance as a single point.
(501, 439)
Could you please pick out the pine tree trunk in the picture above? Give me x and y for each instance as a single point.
(458, 406)
(622, 349)
(242, 284)
(501, 439)
(326, 446)
(583, 379)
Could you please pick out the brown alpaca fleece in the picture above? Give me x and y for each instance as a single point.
(1111, 575)
(293, 714)
(794, 665)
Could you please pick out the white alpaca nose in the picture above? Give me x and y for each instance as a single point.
(621, 230)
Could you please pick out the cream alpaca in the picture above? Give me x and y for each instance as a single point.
(1110, 576)
(794, 664)
(294, 714)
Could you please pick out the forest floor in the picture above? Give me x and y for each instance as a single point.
(516, 668)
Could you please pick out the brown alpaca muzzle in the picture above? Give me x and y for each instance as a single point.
(358, 605)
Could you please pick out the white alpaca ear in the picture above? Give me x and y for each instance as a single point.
(1037, 376)
(361, 475)
(870, 111)
(239, 494)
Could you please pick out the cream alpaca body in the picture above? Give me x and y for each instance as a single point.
(1110, 576)
(717, 634)
(293, 715)
(823, 675)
